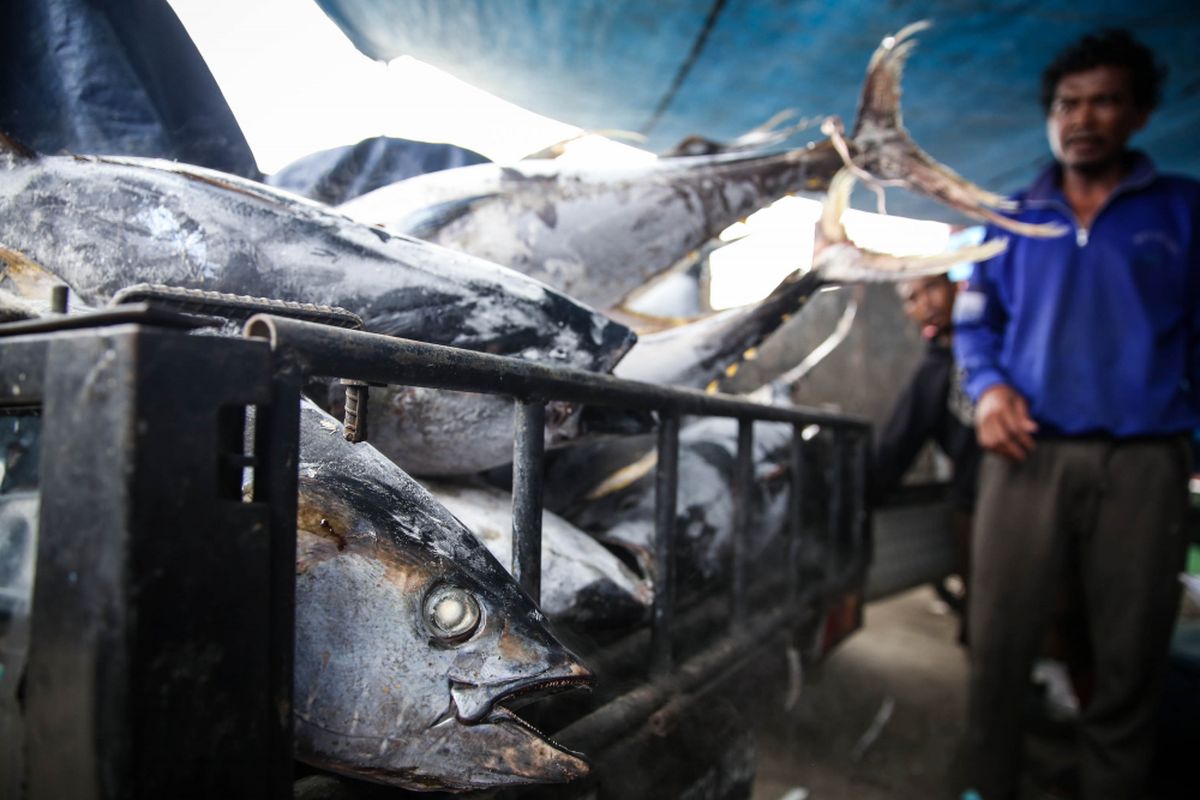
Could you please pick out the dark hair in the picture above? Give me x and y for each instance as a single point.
(1112, 47)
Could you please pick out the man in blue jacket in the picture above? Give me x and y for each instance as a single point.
(1081, 353)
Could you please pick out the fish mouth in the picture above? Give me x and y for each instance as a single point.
(474, 703)
(505, 749)
(525, 695)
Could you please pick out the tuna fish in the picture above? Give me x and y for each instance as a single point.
(411, 639)
(103, 224)
(100, 224)
(598, 234)
(621, 511)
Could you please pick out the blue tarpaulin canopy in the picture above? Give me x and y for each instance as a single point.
(718, 68)
(121, 76)
(113, 77)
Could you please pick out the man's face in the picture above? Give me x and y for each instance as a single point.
(929, 303)
(1091, 118)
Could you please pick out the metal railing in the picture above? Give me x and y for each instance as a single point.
(144, 372)
(322, 351)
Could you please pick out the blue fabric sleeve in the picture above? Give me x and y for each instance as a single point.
(979, 320)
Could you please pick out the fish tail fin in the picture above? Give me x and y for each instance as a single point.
(10, 146)
(879, 102)
(884, 150)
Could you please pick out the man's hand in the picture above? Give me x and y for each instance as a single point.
(1003, 424)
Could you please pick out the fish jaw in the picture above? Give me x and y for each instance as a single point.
(502, 750)
(496, 749)
(512, 752)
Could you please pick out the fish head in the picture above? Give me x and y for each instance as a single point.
(413, 645)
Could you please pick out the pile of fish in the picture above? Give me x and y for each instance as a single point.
(411, 637)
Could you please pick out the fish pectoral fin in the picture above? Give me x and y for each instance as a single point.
(869, 266)
(834, 206)
(13, 308)
(927, 176)
(28, 280)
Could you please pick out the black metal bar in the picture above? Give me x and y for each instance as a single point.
(140, 313)
(22, 366)
(529, 444)
(118, 703)
(666, 489)
(375, 358)
(837, 504)
(598, 729)
(742, 492)
(795, 515)
(277, 446)
(58, 298)
(231, 306)
(861, 512)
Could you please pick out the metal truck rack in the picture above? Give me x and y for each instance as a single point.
(153, 657)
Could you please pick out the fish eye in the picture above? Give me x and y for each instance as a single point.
(451, 613)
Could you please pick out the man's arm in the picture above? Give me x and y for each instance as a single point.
(1002, 421)
(910, 425)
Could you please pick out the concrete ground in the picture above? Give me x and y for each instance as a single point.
(883, 718)
(903, 678)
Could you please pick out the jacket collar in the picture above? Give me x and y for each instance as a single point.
(1046, 189)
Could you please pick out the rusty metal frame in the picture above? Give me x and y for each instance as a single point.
(322, 351)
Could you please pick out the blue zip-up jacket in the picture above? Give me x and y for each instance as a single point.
(1099, 329)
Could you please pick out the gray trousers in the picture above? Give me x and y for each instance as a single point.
(1115, 512)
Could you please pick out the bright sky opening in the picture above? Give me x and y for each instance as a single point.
(297, 85)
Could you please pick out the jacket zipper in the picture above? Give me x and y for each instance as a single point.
(1081, 233)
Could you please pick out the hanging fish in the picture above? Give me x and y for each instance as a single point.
(600, 233)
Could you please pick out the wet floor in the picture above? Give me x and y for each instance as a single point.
(883, 716)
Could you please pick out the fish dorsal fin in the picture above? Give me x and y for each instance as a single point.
(12, 149)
